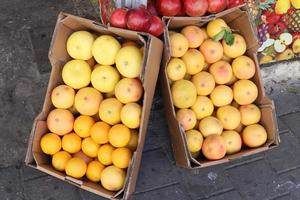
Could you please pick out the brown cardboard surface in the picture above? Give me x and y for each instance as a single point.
(238, 20)
(58, 56)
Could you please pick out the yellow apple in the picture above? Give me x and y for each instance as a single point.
(79, 45)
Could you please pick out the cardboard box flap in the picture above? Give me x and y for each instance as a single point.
(97, 189)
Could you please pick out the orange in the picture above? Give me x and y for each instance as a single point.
(194, 35)
(119, 135)
(121, 157)
(178, 45)
(105, 153)
(129, 90)
(211, 50)
(82, 125)
(243, 67)
(50, 143)
(176, 69)
(194, 140)
(94, 169)
(113, 178)
(89, 147)
(221, 71)
(134, 139)
(222, 95)
(71, 143)
(184, 93)
(250, 114)
(233, 141)
(84, 157)
(203, 107)
(60, 159)
(229, 116)
(254, 135)
(63, 96)
(110, 111)
(60, 121)
(244, 92)
(131, 115)
(76, 167)
(194, 61)
(210, 126)
(186, 118)
(236, 49)
(214, 147)
(204, 82)
(99, 132)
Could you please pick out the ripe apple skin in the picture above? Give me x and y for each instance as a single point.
(195, 8)
(168, 7)
(156, 28)
(138, 19)
(216, 6)
(119, 18)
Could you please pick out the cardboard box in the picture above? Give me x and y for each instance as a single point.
(239, 20)
(66, 25)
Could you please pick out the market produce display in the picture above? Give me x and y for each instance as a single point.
(93, 127)
(213, 91)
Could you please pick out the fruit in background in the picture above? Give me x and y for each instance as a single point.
(204, 82)
(178, 44)
(276, 29)
(205, 35)
(84, 157)
(151, 8)
(292, 21)
(286, 38)
(296, 46)
(238, 48)
(214, 147)
(156, 26)
(89, 147)
(60, 159)
(50, 143)
(194, 35)
(76, 167)
(212, 51)
(216, 26)
(60, 121)
(129, 90)
(194, 140)
(195, 8)
(138, 19)
(265, 59)
(203, 107)
(99, 132)
(119, 135)
(105, 153)
(216, 6)
(244, 92)
(282, 6)
(186, 118)
(118, 18)
(83, 125)
(76, 74)
(129, 61)
(243, 67)
(112, 178)
(79, 45)
(104, 78)
(254, 135)
(134, 139)
(234, 3)
(110, 110)
(121, 157)
(229, 116)
(233, 141)
(184, 93)
(63, 96)
(71, 143)
(295, 4)
(168, 7)
(222, 95)
(250, 114)
(176, 69)
(87, 101)
(194, 61)
(210, 125)
(221, 71)
(105, 49)
(94, 169)
(131, 115)
(286, 55)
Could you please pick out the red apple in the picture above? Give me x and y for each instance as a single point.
(168, 7)
(216, 6)
(234, 3)
(138, 19)
(119, 18)
(156, 28)
(151, 8)
(181, 12)
(195, 8)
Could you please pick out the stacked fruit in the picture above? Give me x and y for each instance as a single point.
(211, 90)
(93, 128)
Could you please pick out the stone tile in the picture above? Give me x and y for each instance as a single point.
(202, 183)
(169, 192)
(292, 121)
(231, 194)
(285, 156)
(28, 173)
(282, 126)
(285, 103)
(50, 188)
(155, 171)
(85, 195)
(252, 179)
(10, 184)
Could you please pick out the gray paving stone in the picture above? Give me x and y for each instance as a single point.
(170, 192)
(252, 179)
(231, 194)
(156, 170)
(50, 188)
(85, 195)
(28, 173)
(10, 186)
(282, 126)
(292, 121)
(285, 102)
(285, 157)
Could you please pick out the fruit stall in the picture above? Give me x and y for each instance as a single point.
(207, 55)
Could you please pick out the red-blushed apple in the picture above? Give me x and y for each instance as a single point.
(195, 8)
(156, 27)
(138, 19)
(181, 12)
(168, 7)
(151, 8)
(119, 18)
(216, 6)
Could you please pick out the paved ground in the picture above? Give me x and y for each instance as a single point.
(25, 31)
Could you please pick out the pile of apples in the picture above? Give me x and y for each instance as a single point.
(93, 128)
(212, 91)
